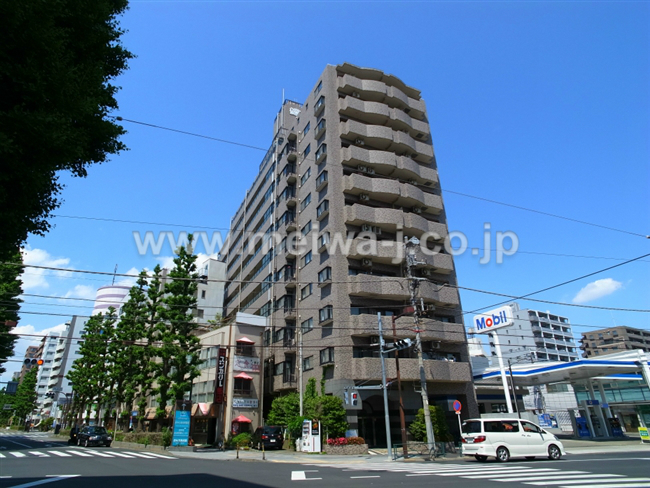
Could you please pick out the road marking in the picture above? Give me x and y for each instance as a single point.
(100, 454)
(363, 477)
(40, 454)
(50, 478)
(60, 454)
(23, 445)
(615, 478)
(139, 454)
(614, 485)
(17, 454)
(558, 479)
(496, 471)
(80, 453)
(121, 454)
(548, 470)
(302, 475)
(161, 455)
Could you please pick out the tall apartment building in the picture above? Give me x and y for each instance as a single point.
(46, 351)
(542, 336)
(353, 164)
(614, 339)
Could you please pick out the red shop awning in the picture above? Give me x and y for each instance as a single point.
(243, 376)
(242, 420)
(245, 340)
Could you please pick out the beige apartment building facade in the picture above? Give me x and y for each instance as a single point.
(611, 340)
(350, 175)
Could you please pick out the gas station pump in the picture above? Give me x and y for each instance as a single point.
(311, 436)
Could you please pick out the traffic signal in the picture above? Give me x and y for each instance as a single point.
(355, 398)
(403, 344)
(34, 362)
(346, 397)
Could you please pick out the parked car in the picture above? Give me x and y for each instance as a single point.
(269, 436)
(504, 438)
(94, 436)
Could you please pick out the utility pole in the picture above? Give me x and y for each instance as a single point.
(514, 392)
(299, 331)
(402, 420)
(413, 285)
(389, 442)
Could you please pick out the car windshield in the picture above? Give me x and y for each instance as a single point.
(274, 430)
(471, 427)
(97, 430)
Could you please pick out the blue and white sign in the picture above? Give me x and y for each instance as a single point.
(181, 435)
(494, 319)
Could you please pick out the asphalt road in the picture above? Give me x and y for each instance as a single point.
(35, 460)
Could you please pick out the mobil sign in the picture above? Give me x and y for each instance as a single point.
(494, 319)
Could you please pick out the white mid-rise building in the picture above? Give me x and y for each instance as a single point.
(539, 336)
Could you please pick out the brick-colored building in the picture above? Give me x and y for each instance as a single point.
(614, 339)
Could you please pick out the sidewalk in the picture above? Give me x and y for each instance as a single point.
(572, 447)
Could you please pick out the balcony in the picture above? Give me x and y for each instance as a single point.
(388, 219)
(392, 192)
(447, 371)
(390, 252)
(432, 330)
(397, 289)
(386, 139)
(388, 163)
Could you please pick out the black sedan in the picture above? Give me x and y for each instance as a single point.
(94, 436)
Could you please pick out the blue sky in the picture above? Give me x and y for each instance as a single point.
(543, 105)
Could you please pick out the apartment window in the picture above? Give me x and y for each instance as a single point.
(319, 104)
(307, 363)
(278, 369)
(323, 208)
(327, 355)
(306, 259)
(326, 314)
(323, 240)
(306, 229)
(319, 87)
(199, 313)
(306, 174)
(242, 386)
(325, 275)
(305, 291)
(321, 180)
(305, 131)
(321, 151)
(305, 202)
(307, 151)
(307, 325)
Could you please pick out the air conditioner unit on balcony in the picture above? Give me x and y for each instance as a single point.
(370, 171)
(426, 272)
(356, 95)
(359, 142)
(362, 168)
(366, 228)
(364, 196)
(417, 210)
(376, 230)
(366, 262)
(413, 182)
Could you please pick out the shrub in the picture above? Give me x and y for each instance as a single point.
(356, 441)
(166, 436)
(337, 441)
(242, 440)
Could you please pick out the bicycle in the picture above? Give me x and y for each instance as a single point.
(435, 452)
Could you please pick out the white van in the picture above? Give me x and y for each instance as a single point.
(504, 438)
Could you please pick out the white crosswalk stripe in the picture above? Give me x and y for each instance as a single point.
(100, 454)
(60, 454)
(80, 453)
(161, 456)
(39, 454)
(18, 454)
(528, 475)
(86, 453)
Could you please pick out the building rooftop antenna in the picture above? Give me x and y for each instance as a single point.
(114, 273)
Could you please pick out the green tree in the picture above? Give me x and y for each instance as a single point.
(440, 427)
(25, 399)
(284, 409)
(10, 290)
(177, 347)
(91, 372)
(128, 351)
(59, 58)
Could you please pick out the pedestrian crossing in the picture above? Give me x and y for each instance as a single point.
(82, 453)
(24, 434)
(527, 475)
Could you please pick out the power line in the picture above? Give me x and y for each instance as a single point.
(570, 219)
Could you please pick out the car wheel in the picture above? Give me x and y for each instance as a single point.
(108, 445)
(86, 444)
(259, 446)
(554, 452)
(480, 458)
(79, 442)
(530, 457)
(502, 454)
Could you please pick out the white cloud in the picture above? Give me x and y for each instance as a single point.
(166, 262)
(129, 281)
(35, 277)
(596, 290)
(82, 291)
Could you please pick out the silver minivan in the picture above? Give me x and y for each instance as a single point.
(503, 438)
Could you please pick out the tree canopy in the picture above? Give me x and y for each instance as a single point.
(10, 290)
(58, 59)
